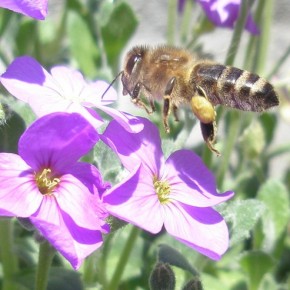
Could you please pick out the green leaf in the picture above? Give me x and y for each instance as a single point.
(256, 265)
(84, 49)
(253, 140)
(117, 31)
(10, 132)
(243, 216)
(108, 163)
(269, 283)
(26, 37)
(274, 195)
(63, 279)
(167, 254)
(269, 122)
(59, 279)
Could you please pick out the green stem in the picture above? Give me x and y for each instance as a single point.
(8, 258)
(185, 24)
(265, 36)
(231, 137)
(279, 63)
(123, 259)
(251, 55)
(233, 116)
(45, 256)
(239, 28)
(282, 149)
(89, 270)
(172, 9)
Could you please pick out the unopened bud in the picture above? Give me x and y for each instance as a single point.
(194, 284)
(162, 277)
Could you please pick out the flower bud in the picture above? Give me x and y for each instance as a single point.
(193, 284)
(162, 277)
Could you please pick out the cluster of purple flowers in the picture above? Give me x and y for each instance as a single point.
(67, 200)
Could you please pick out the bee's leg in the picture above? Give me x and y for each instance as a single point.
(209, 135)
(136, 99)
(167, 104)
(152, 105)
(175, 113)
(203, 109)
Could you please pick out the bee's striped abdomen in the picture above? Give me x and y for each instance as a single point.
(234, 87)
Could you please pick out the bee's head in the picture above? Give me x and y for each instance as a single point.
(132, 67)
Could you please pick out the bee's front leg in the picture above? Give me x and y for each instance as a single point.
(136, 99)
(167, 103)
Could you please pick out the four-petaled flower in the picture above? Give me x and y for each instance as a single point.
(32, 8)
(177, 193)
(224, 13)
(62, 90)
(48, 185)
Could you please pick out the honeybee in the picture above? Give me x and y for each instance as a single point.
(175, 76)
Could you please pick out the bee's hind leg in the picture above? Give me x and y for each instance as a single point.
(209, 135)
(167, 103)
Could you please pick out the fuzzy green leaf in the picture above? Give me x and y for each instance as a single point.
(243, 216)
(274, 195)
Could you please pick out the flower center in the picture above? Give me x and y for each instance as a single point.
(46, 182)
(162, 188)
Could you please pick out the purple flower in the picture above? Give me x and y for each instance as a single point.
(46, 184)
(224, 13)
(33, 8)
(62, 90)
(177, 193)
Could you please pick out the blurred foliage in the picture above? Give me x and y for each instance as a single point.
(90, 36)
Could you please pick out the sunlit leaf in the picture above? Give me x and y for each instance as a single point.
(275, 196)
(83, 47)
(256, 265)
(117, 31)
(243, 216)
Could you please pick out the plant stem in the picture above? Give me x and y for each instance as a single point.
(231, 137)
(265, 36)
(172, 8)
(45, 256)
(239, 28)
(233, 116)
(8, 259)
(123, 259)
(185, 24)
(279, 63)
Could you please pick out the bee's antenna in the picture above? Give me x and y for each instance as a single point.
(121, 72)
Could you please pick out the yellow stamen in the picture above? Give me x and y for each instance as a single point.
(46, 182)
(162, 188)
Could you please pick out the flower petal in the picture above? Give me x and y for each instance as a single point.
(135, 201)
(93, 93)
(134, 148)
(130, 123)
(200, 228)
(224, 13)
(78, 196)
(33, 8)
(19, 195)
(190, 180)
(56, 141)
(73, 242)
(26, 79)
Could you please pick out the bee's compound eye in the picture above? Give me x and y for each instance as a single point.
(132, 62)
(203, 109)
